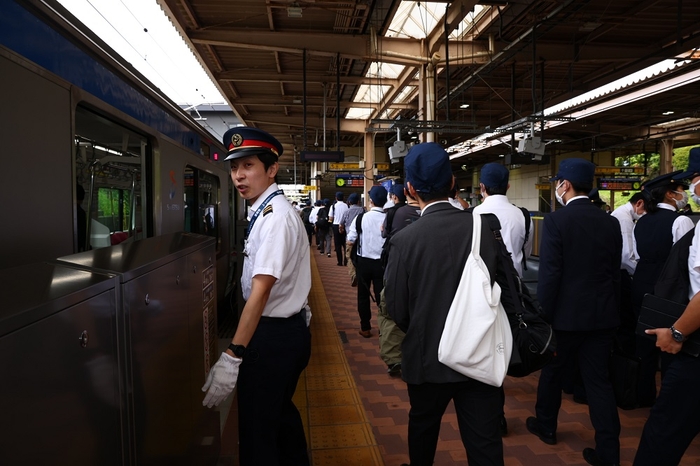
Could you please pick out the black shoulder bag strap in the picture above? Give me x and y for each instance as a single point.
(526, 214)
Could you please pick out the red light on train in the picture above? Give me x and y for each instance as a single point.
(216, 156)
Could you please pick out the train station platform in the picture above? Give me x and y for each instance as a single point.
(356, 414)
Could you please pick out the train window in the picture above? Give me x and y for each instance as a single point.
(108, 158)
(202, 203)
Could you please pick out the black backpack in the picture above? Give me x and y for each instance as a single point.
(526, 214)
(305, 212)
(674, 281)
(358, 227)
(322, 219)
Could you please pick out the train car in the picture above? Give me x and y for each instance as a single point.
(78, 118)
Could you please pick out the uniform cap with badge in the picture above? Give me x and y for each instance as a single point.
(494, 175)
(575, 170)
(243, 141)
(427, 168)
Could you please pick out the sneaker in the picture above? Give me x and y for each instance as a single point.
(394, 370)
(329, 255)
(533, 425)
(592, 458)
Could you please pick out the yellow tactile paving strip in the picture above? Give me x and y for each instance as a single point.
(334, 418)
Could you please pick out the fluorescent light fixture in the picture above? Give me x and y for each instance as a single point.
(294, 11)
(668, 112)
(464, 106)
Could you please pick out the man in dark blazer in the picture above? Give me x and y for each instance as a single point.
(425, 264)
(578, 288)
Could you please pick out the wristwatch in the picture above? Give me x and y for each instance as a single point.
(238, 350)
(677, 335)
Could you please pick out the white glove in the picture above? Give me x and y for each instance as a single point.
(308, 315)
(221, 380)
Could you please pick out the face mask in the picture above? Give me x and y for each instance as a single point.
(635, 215)
(695, 197)
(683, 201)
(560, 199)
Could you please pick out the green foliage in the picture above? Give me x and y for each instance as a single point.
(108, 203)
(680, 162)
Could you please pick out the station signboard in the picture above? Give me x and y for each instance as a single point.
(619, 184)
(600, 171)
(350, 180)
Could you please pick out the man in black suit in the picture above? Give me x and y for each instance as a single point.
(424, 267)
(579, 277)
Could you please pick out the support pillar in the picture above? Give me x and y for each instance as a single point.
(368, 171)
(666, 153)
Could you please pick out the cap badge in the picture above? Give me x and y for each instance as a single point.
(237, 140)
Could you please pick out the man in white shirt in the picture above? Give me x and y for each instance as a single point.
(494, 184)
(336, 214)
(628, 214)
(369, 253)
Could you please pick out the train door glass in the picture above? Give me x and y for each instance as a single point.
(202, 203)
(109, 161)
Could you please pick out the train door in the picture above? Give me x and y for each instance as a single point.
(202, 204)
(109, 161)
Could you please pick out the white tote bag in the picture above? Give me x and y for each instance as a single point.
(477, 340)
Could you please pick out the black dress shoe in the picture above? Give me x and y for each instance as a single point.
(591, 457)
(504, 426)
(394, 370)
(533, 425)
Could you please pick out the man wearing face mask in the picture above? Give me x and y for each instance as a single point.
(578, 289)
(654, 235)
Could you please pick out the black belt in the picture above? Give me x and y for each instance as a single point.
(301, 313)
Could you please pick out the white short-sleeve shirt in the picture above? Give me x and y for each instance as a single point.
(278, 246)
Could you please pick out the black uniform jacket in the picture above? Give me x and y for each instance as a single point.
(579, 275)
(425, 264)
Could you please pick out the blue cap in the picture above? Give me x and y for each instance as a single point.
(669, 181)
(353, 198)
(427, 167)
(339, 195)
(575, 171)
(397, 190)
(494, 175)
(693, 165)
(243, 141)
(378, 195)
(594, 196)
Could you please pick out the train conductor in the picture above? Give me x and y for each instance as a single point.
(272, 343)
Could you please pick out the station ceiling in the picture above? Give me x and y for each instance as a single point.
(294, 69)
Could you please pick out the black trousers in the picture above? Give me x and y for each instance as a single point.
(592, 351)
(271, 432)
(478, 408)
(674, 420)
(369, 272)
(339, 241)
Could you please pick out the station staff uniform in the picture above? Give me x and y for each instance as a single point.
(578, 289)
(281, 346)
(625, 215)
(674, 420)
(654, 234)
(369, 253)
(336, 213)
(512, 227)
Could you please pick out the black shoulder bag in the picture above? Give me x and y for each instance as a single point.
(533, 337)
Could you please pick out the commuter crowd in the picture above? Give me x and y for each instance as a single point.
(405, 253)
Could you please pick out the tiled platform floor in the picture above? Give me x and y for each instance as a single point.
(386, 401)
